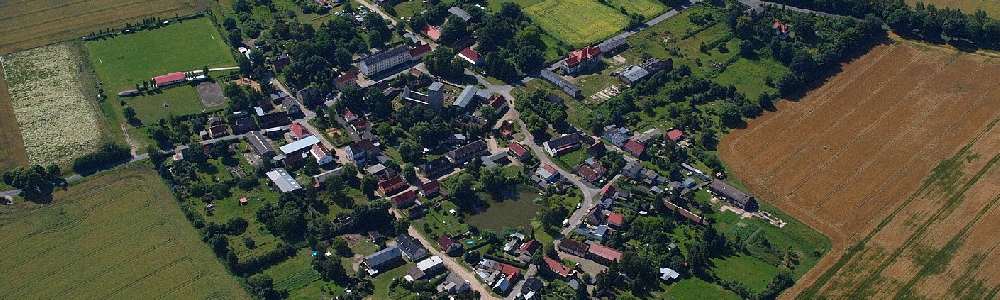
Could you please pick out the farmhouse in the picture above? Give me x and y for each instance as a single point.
(562, 144)
(574, 247)
(284, 181)
(567, 87)
(581, 60)
(733, 195)
(169, 79)
(384, 259)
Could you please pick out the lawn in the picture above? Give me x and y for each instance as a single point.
(574, 158)
(383, 282)
(752, 272)
(577, 22)
(124, 61)
(646, 8)
(119, 235)
(694, 288)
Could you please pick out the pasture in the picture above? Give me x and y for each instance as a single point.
(577, 22)
(894, 159)
(126, 60)
(119, 235)
(54, 101)
(12, 153)
(646, 8)
(26, 24)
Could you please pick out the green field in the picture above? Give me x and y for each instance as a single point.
(116, 236)
(694, 288)
(646, 8)
(752, 272)
(124, 61)
(577, 22)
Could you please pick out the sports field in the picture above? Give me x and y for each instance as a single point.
(895, 160)
(25, 24)
(120, 235)
(12, 152)
(991, 7)
(126, 60)
(577, 22)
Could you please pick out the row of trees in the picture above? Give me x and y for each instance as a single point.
(35, 182)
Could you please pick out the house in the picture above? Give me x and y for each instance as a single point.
(405, 199)
(385, 60)
(564, 143)
(603, 254)
(668, 274)
(362, 151)
(427, 268)
(299, 146)
(361, 125)
(436, 167)
(418, 51)
(780, 30)
(432, 32)
(616, 135)
(531, 287)
(291, 106)
(581, 60)
(615, 220)
(383, 260)
(281, 62)
(529, 248)
(411, 247)
(596, 149)
(455, 10)
(675, 134)
(595, 216)
(733, 195)
(392, 185)
(345, 80)
(163, 81)
(498, 103)
(510, 272)
(259, 144)
(645, 136)
(277, 97)
(321, 155)
(574, 247)
(298, 131)
(218, 130)
(567, 87)
(556, 268)
(465, 98)
(453, 284)
(284, 181)
(596, 166)
(611, 45)
(467, 152)
(587, 173)
(518, 152)
(632, 170)
(449, 245)
(469, 55)
(547, 173)
(495, 159)
(634, 148)
(274, 119)
(632, 75)
(349, 115)
(431, 188)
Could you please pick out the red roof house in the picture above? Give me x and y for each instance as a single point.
(511, 272)
(391, 185)
(404, 200)
(362, 125)
(243, 201)
(418, 51)
(347, 79)
(530, 247)
(587, 173)
(635, 148)
(675, 134)
(557, 268)
(168, 79)
(603, 254)
(430, 188)
(469, 55)
(298, 130)
(432, 32)
(349, 115)
(608, 191)
(518, 151)
(615, 219)
(578, 56)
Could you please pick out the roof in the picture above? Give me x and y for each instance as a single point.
(419, 50)
(645, 136)
(435, 86)
(605, 252)
(470, 55)
(634, 73)
(686, 213)
(430, 186)
(556, 267)
(383, 256)
(675, 134)
(411, 246)
(384, 55)
(615, 219)
(391, 184)
(585, 53)
(532, 285)
(318, 151)
(497, 102)
(466, 96)
(169, 78)
(299, 145)
(429, 263)
(361, 146)
(635, 147)
(467, 151)
(345, 78)
(564, 141)
(432, 32)
(780, 26)
(573, 246)
(510, 271)
(297, 129)
(608, 191)
(587, 172)
(530, 246)
(668, 273)
(404, 198)
(259, 143)
(445, 242)
(517, 149)
(612, 43)
(284, 181)
(455, 10)
(730, 191)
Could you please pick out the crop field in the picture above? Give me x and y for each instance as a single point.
(26, 24)
(12, 152)
(991, 7)
(52, 99)
(116, 236)
(577, 22)
(895, 160)
(646, 8)
(126, 60)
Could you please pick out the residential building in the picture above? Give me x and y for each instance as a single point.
(449, 245)
(531, 287)
(299, 146)
(467, 152)
(291, 106)
(675, 134)
(603, 254)
(427, 268)
(274, 119)
(685, 213)
(547, 173)
(392, 185)
(454, 284)
(469, 55)
(465, 98)
(321, 155)
(455, 10)
(733, 195)
(567, 87)
(432, 32)
(218, 130)
(385, 60)
(564, 143)
(345, 80)
(436, 167)
(349, 115)
(582, 60)
(587, 173)
(418, 51)
(281, 62)
(298, 131)
(518, 152)
(616, 135)
(596, 166)
(634, 148)
(411, 247)
(615, 220)
(260, 145)
(320, 178)
(242, 122)
(780, 30)
(668, 274)
(284, 181)
(405, 199)
(430, 189)
(556, 268)
(495, 159)
(574, 247)
(632, 170)
(383, 260)
(361, 152)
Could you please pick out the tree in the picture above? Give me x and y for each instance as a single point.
(454, 28)
(410, 152)
(129, 113)
(341, 247)
(262, 286)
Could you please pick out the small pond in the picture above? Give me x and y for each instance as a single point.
(516, 209)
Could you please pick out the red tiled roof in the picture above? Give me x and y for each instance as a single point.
(675, 134)
(549, 168)
(297, 129)
(497, 102)
(530, 247)
(605, 252)
(615, 219)
(404, 198)
(432, 32)
(511, 272)
(419, 50)
(518, 150)
(470, 55)
(346, 78)
(598, 168)
(169, 78)
(587, 172)
(391, 184)
(635, 147)
(578, 56)
(430, 186)
(319, 151)
(781, 26)
(608, 191)
(557, 267)
(362, 124)
(349, 115)
(686, 213)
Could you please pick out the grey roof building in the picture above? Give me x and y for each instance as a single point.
(632, 75)
(466, 97)
(259, 144)
(284, 181)
(455, 10)
(383, 259)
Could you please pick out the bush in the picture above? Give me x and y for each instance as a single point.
(109, 153)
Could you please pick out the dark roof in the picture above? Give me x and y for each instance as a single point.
(430, 186)
(445, 242)
(587, 172)
(260, 144)
(634, 147)
(384, 55)
(405, 198)
(574, 246)
(384, 256)
(517, 149)
(532, 285)
(411, 247)
(564, 140)
(729, 191)
(467, 151)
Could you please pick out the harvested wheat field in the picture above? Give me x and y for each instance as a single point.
(895, 160)
(25, 24)
(12, 152)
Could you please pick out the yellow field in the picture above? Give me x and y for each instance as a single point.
(117, 236)
(25, 24)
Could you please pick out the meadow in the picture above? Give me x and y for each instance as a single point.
(577, 22)
(12, 153)
(646, 8)
(894, 159)
(54, 103)
(26, 24)
(991, 7)
(119, 235)
(126, 60)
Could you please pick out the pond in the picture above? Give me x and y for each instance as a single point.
(516, 209)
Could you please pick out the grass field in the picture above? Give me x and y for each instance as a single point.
(12, 153)
(897, 165)
(991, 7)
(116, 236)
(752, 272)
(577, 22)
(54, 101)
(694, 288)
(126, 60)
(26, 24)
(646, 8)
